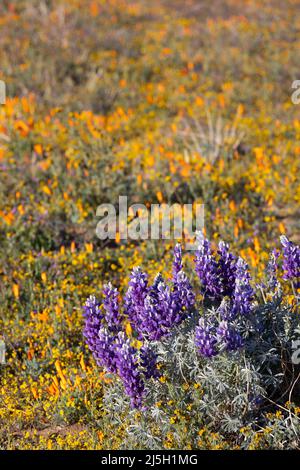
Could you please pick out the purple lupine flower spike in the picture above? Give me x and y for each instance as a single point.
(205, 339)
(154, 310)
(169, 308)
(207, 269)
(227, 268)
(159, 312)
(291, 261)
(105, 353)
(135, 295)
(93, 318)
(127, 365)
(183, 292)
(243, 292)
(111, 306)
(228, 335)
(150, 321)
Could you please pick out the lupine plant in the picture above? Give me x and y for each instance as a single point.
(152, 310)
(222, 336)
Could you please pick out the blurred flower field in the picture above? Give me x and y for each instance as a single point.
(162, 101)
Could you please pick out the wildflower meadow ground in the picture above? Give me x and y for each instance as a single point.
(140, 343)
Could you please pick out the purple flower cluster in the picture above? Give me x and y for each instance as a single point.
(154, 310)
(93, 320)
(135, 296)
(243, 292)
(207, 269)
(224, 279)
(105, 353)
(183, 292)
(115, 353)
(291, 261)
(206, 339)
(229, 336)
(212, 337)
(111, 350)
(164, 307)
(224, 275)
(160, 312)
(111, 306)
(227, 269)
(127, 364)
(216, 273)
